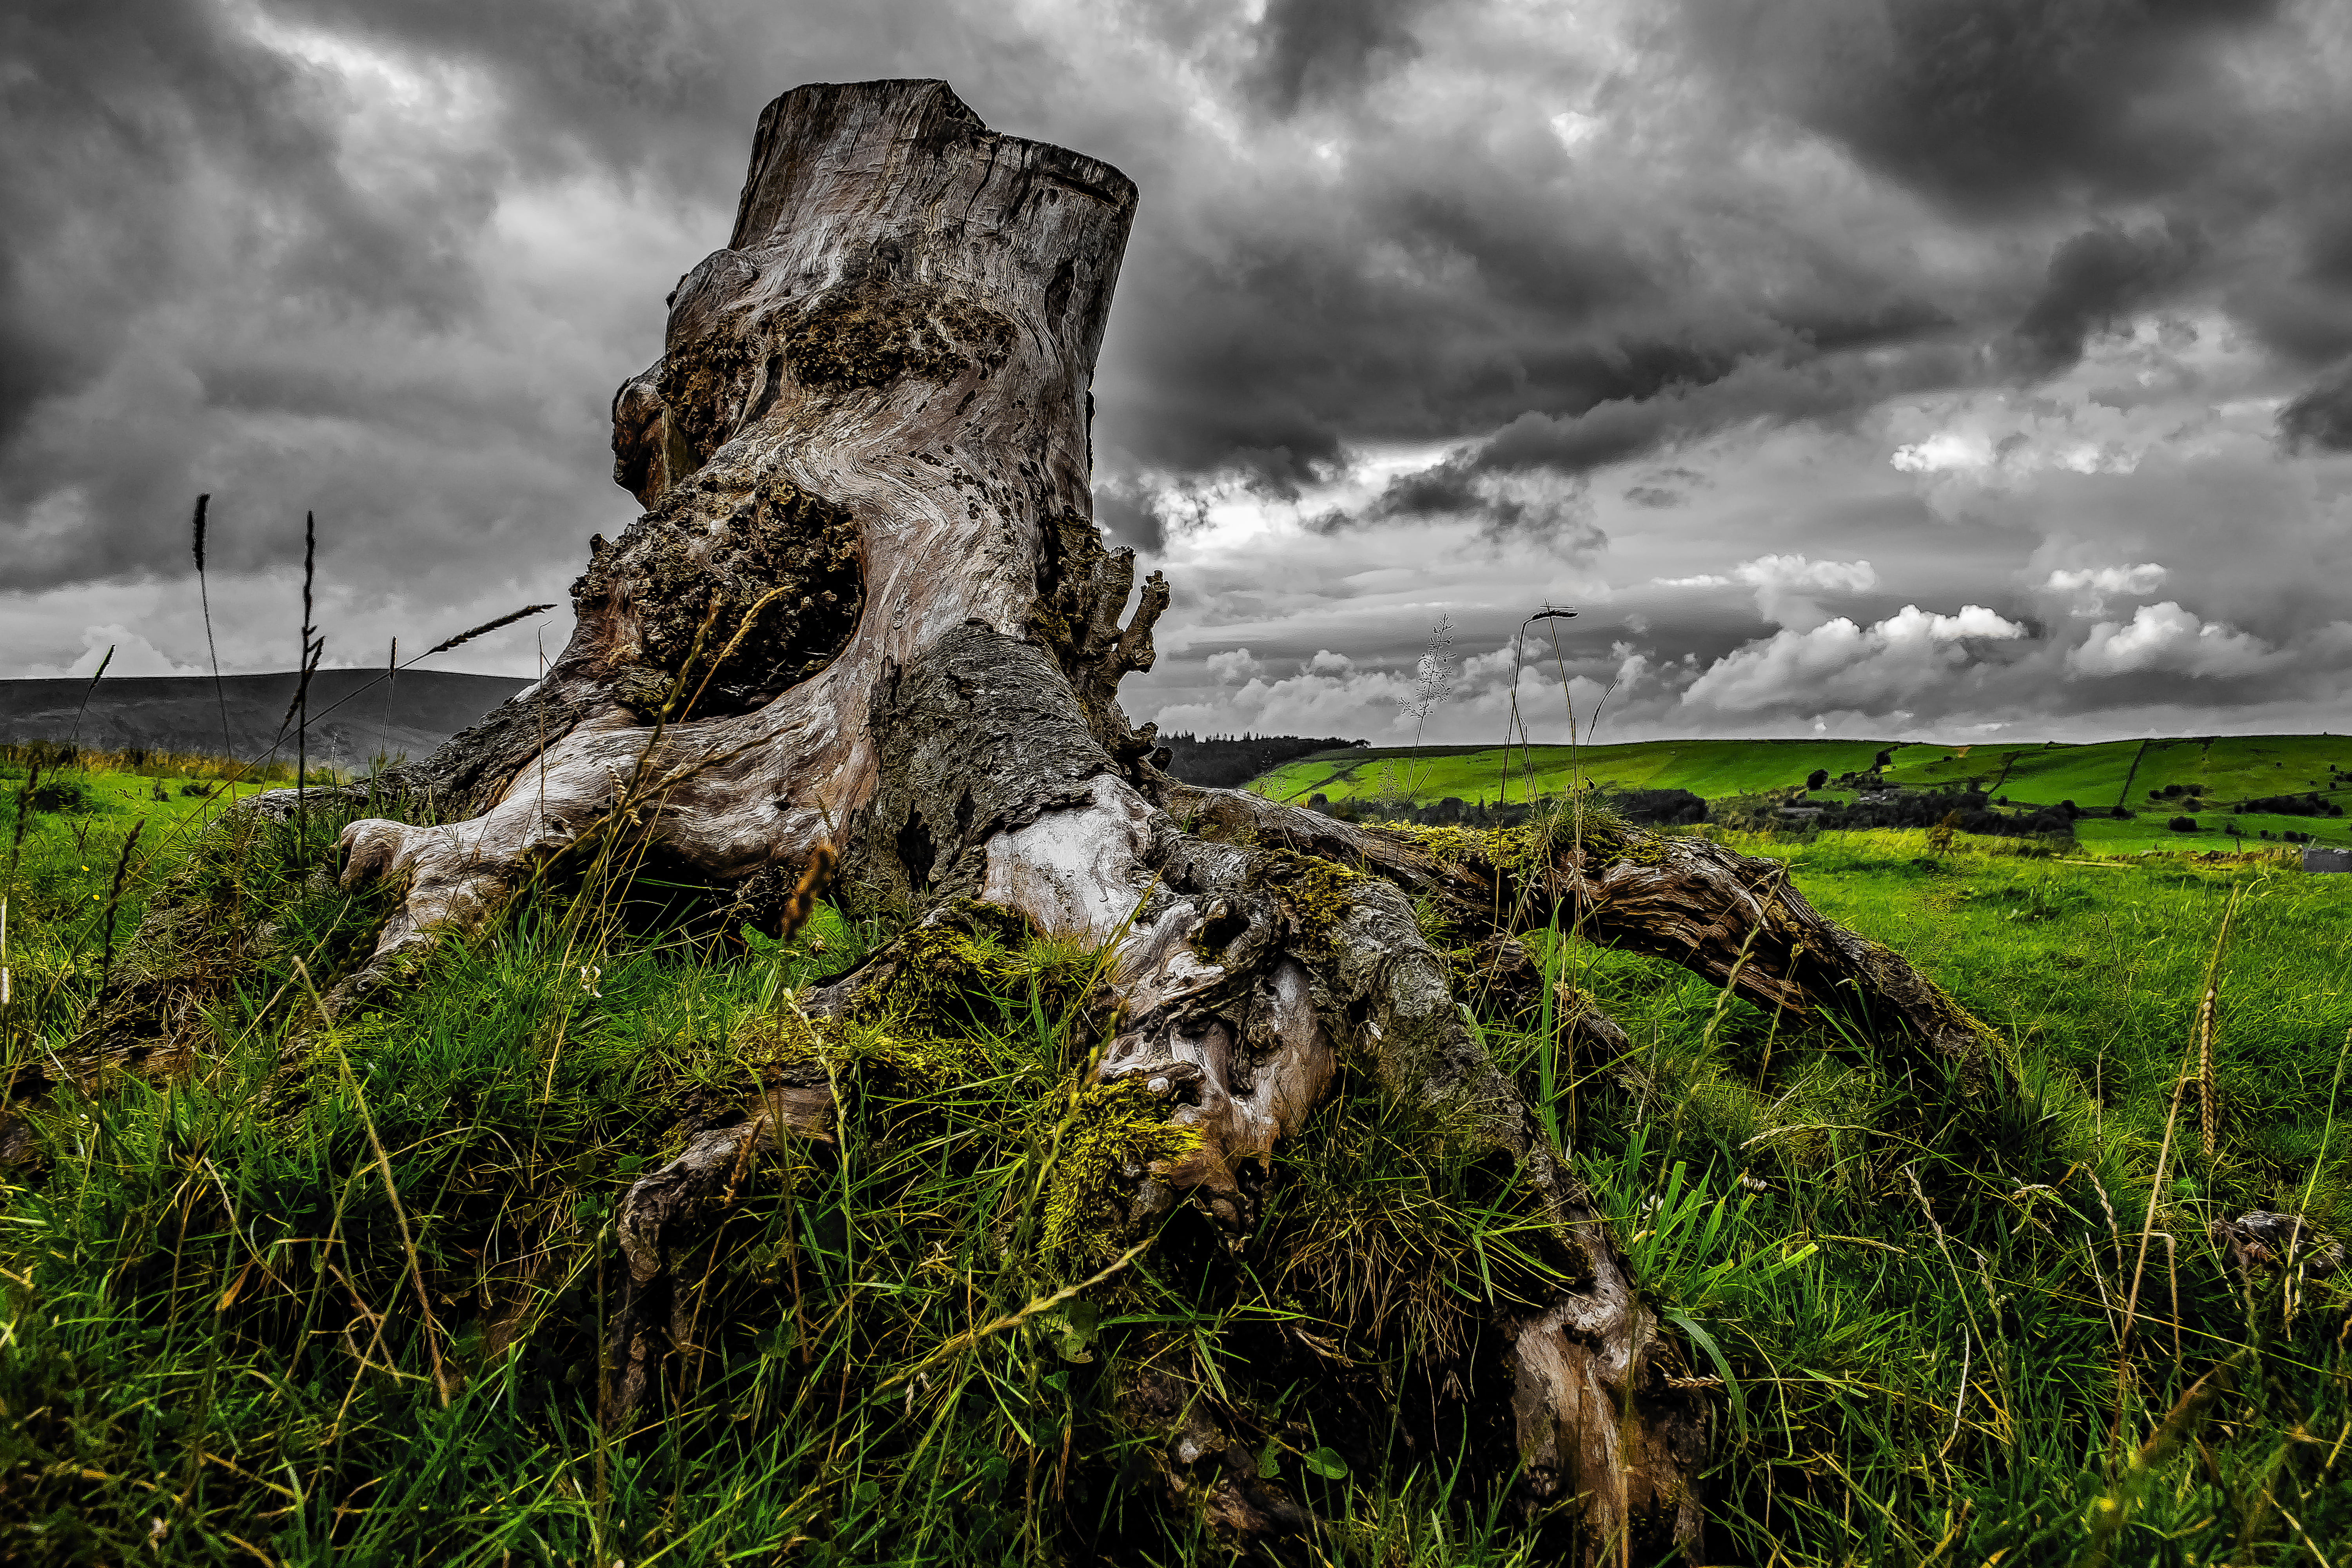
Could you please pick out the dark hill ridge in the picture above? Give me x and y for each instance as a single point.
(354, 713)
(1228, 761)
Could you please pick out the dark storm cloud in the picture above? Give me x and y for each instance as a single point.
(2000, 110)
(278, 253)
(2320, 419)
(1309, 49)
(1764, 392)
(1140, 515)
(189, 171)
(1988, 104)
(2003, 114)
(2095, 279)
(130, 105)
(1450, 292)
(243, 263)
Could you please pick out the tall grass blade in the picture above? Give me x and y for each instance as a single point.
(205, 598)
(74, 742)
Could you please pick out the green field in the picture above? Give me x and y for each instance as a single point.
(337, 1294)
(2221, 769)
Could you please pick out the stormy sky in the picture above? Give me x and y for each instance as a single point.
(1952, 368)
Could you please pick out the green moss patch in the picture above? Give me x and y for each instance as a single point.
(1113, 1132)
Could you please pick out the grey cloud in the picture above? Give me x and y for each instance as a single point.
(235, 268)
(2228, 118)
(2320, 418)
(2095, 279)
(1990, 104)
(1310, 49)
(207, 288)
(1770, 391)
(1559, 514)
(133, 107)
(1132, 513)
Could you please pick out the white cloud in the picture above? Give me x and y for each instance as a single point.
(1946, 451)
(1480, 668)
(1233, 667)
(131, 655)
(1574, 129)
(2169, 640)
(1796, 572)
(1785, 586)
(2092, 584)
(1329, 698)
(1841, 665)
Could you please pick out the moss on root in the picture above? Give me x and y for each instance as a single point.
(1529, 847)
(1113, 1132)
(962, 966)
(1317, 893)
(781, 568)
(915, 1061)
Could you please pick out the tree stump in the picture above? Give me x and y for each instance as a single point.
(867, 609)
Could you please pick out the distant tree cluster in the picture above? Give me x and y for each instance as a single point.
(1227, 762)
(1659, 807)
(1638, 808)
(2291, 806)
(1967, 810)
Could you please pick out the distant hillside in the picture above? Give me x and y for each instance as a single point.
(354, 713)
(1222, 762)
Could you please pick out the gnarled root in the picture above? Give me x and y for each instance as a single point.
(1734, 919)
(666, 1207)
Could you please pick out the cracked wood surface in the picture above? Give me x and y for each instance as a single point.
(901, 332)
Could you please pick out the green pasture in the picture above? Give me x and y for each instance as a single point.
(2222, 770)
(339, 1294)
(67, 829)
(1425, 773)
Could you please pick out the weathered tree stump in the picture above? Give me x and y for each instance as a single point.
(867, 608)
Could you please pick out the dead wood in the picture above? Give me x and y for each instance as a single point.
(867, 608)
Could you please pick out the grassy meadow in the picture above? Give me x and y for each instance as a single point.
(339, 1293)
(2215, 772)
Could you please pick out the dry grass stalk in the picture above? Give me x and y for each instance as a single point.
(742, 631)
(313, 648)
(2207, 1006)
(73, 743)
(483, 631)
(802, 903)
(114, 897)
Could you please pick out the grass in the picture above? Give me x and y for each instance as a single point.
(1788, 1230)
(224, 1293)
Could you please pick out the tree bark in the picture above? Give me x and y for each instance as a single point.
(867, 608)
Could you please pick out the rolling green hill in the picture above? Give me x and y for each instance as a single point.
(2215, 772)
